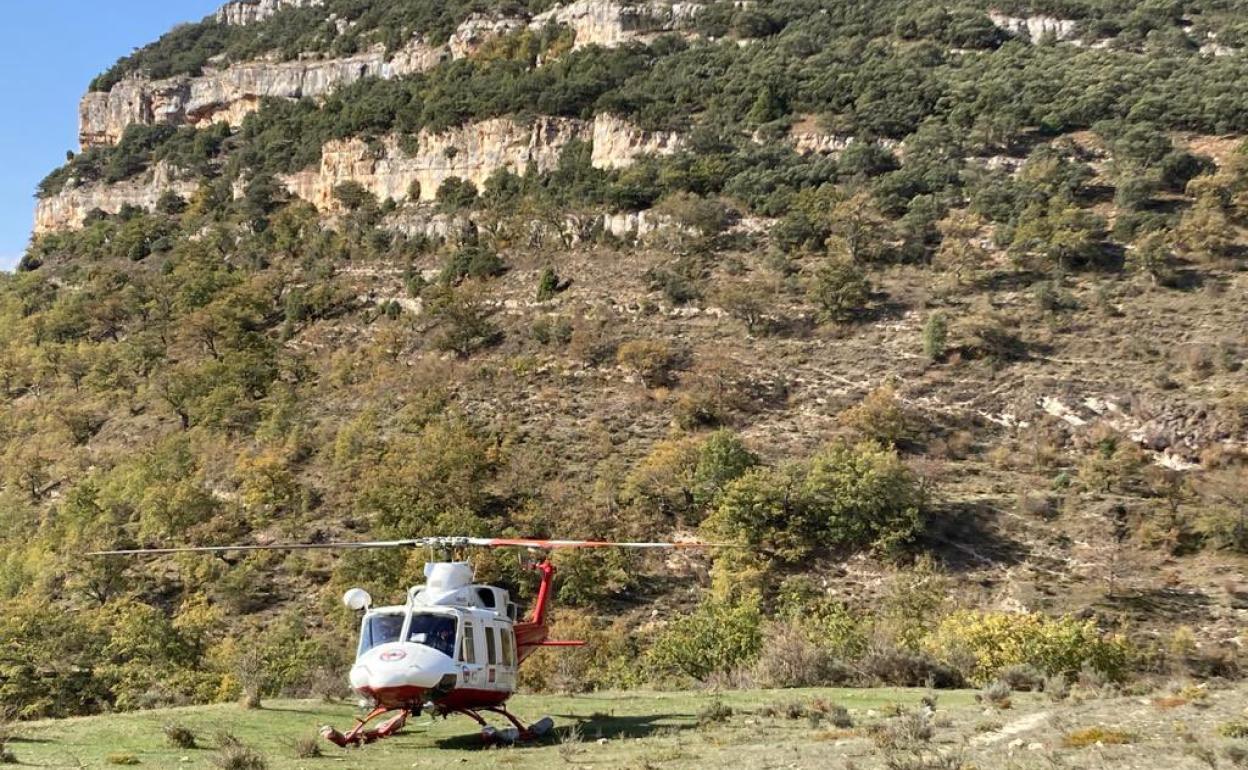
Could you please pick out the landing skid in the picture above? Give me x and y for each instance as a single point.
(359, 736)
(518, 733)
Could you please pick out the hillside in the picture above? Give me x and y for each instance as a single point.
(939, 310)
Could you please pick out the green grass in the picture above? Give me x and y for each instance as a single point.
(640, 729)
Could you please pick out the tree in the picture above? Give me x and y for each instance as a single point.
(463, 319)
(1056, 234)
(961, 249)
(751, 301)
(455, 194)
(840, 289)
(935, 336)
(1152, 256)
(353, 196)
(857, 229)
(1205, 233)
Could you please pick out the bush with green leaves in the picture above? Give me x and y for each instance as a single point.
(715, 638)
(994, 642)
(840, 289)
(846, 496)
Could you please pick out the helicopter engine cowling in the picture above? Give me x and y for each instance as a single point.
(402, 674)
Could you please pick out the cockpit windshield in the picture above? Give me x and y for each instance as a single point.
(381, 629)
(436, 631)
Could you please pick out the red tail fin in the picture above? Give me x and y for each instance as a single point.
(532, 633)
(542, 604)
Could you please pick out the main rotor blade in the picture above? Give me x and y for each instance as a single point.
(272, 547)
(559, 544)
(424, 542)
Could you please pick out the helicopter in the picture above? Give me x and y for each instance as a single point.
(453, 648)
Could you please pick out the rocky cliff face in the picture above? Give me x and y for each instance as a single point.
(609, 23)
(473, 152)
(1035, 27)
(234, 92)
(231, 93)
(395, 169)
(70, 208)
(244, 12)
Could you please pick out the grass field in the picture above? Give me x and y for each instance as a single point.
(664, 730)
(638, 728)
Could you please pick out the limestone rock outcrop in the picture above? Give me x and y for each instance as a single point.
(69, 209)
(243, 12)
(395, 167)
(611, 23)
(1035, 27)
(472, 152)
(231, 93)
(234, 92)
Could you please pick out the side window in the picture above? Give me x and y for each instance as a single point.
(468, 651)
(509, 647)
(491, 645)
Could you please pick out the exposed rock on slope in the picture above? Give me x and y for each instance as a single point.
(231, 93)
(472, 152)
(1035, 27)
(396, 169)
(244, 12)
(70, 208)
(609, 23)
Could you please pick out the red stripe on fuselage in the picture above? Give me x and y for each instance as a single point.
(459, 698)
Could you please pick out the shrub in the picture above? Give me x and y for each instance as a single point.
(840, 289)
(897, 667)
(238, 757)
(714, 712)
(722, 459)
(472, 262)
(307, 747)
(179, 736)
(996, 693)
(717, 637)
(455, 194)
(993, 642)
(464, 321)
(1237, 730)
(935, 336)
(878, 417)
(651, 360)
(1057, 687)
(353, 196)
(846, 496)
(547, 285)
(1096, 736)
(1024, 678)
(794, 659)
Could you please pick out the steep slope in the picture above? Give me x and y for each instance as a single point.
(942, 313)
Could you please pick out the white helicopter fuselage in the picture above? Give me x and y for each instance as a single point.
(452, 646)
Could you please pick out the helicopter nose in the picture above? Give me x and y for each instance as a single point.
(401, 666)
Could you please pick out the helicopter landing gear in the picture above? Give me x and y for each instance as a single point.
(517, 734)
(358, 736)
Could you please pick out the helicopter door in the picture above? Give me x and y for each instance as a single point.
(474, 673)
(507, 657)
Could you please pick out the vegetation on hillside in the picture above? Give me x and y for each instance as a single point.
(232, 368)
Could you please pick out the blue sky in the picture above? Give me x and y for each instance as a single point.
(51, 50)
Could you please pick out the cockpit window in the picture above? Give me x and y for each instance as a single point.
(436, 631)
(380, 629)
